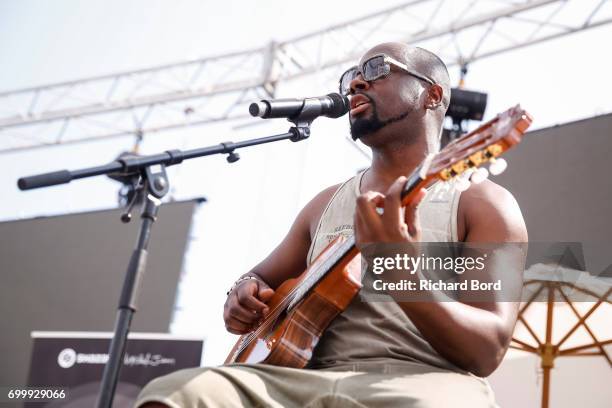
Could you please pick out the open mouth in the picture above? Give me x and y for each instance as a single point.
(359, 104)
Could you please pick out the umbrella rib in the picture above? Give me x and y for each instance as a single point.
(583, 347)
(587, 328)
(525, 346)
(588, 292)
(530, 330)
(537, 292)
(583, 318)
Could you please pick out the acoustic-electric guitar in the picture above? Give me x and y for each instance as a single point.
(302, 308)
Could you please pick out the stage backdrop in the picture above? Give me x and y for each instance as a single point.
(65, 273)
(560, 177)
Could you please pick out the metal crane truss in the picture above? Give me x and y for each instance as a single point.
(219, 88)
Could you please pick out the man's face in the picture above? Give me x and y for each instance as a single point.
(385, 103)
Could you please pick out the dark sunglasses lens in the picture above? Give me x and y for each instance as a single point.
(375, 68)
(345, 80)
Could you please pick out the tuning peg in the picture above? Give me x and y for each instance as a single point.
(462, 183)
(497, 166)
(479, 175)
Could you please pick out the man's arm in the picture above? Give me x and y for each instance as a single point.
(246, 304)
(473, 336)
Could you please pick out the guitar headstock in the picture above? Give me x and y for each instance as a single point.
(462, 159)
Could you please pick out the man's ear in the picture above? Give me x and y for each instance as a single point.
(434, 96)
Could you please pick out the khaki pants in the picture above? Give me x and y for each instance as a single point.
(357, 385)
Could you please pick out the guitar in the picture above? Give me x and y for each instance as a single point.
(302, 308)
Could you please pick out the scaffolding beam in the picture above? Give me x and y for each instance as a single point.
(218, 88)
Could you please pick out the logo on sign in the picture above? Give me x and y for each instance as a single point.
(66, 358)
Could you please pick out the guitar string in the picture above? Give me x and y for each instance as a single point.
(290, 296)
(344, 248)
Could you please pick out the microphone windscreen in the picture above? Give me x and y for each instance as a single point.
(340, 105)
(258, 109)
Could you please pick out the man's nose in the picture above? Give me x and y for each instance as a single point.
(359, 84)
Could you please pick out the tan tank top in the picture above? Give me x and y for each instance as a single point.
(379, 331)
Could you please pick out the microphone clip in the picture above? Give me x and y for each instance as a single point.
(303, 120)
(300, 132)
(232, 156)
(151, 183)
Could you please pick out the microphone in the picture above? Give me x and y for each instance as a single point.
(332, 105)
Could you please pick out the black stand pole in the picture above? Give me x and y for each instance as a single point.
(127, 301)
(152, 173)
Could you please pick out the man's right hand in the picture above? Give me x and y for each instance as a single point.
(246, 307)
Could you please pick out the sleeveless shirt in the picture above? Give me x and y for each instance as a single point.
(380, 332)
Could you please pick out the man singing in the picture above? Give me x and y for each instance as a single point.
(375, 354)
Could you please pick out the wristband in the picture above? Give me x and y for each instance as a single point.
(244, 278)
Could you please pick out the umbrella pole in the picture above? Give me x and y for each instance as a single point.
(547, 352)
(546, 387)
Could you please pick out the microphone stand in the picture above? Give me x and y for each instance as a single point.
(153, 184)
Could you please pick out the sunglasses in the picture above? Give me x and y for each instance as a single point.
(376, 67)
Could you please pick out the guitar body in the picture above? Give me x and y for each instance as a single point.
(289, 338)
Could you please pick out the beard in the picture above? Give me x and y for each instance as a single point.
(364, 126)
